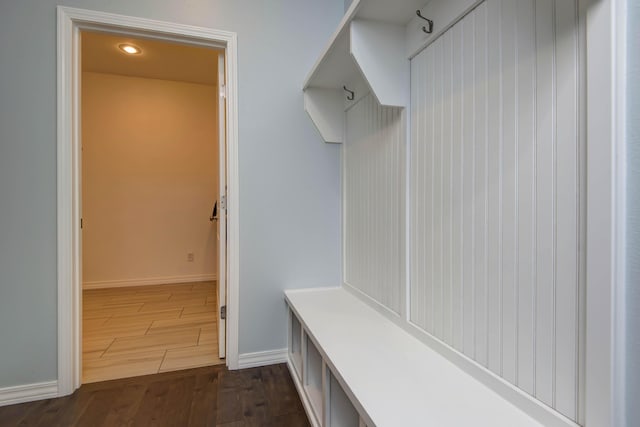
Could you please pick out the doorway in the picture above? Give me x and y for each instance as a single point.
(150, 180)
(70, 24)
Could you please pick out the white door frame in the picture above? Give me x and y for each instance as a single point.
(70, 22)
(221, 225)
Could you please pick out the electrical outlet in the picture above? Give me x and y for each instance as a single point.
(190, 257)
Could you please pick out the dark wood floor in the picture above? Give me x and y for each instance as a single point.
(211, 396)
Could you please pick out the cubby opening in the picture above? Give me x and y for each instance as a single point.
(340, 410)
(313, 377)
(295, 343)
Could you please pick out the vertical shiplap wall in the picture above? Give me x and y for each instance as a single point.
(374, 158)
(495, 194)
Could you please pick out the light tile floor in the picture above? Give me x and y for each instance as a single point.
(144, 330)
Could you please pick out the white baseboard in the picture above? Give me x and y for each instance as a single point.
(148, 281)
(28, 392)
(262, 358)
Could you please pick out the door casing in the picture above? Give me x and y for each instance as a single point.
(70, 22)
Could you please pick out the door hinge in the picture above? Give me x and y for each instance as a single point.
(223, 91)
(223, 202)
(80, 223)
(223, 312)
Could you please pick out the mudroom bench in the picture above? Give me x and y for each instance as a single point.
(353, 366)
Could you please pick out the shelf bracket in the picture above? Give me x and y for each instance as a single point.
(326, 109)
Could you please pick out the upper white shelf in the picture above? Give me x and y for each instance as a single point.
(335, 64)
(366, 53)
(370, 51)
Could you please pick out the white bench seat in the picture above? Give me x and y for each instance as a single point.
(391, 378)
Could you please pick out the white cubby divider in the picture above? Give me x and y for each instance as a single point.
(295, 344)
(313, 369)
(340, 410)
(326, 403)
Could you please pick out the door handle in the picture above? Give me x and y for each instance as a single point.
(214, 214)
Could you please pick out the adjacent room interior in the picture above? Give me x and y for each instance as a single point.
(150, 179)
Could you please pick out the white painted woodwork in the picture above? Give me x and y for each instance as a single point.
(375, 48)
(221, 223)
(371, 46)
(444, 14)
(262, 358)
(295, 344)
(341, 413)
(28, 393)
(393, 12)
(421, 388)
(334, 64)
(607, 178)
(313, 381)
(496, 185)
(374, 158)
(324, 108)
(360, 88)
(69, 23)
(368, 47)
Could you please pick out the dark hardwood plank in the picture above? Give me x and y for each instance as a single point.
(127, 405)
(281, 394)
(254, 402)
(210, 396)
(293, 419)
(166, 402)
(232, 384)
(204, 404)
(99, 405)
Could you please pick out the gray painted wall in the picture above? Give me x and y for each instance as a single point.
(289, 179)
(632, 368)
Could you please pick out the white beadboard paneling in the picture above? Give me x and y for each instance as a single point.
(509, 166)
(374, 201)
(436, 197)
(545, 203)
(495, 194)
(567, 226)
(447, 183)
(457, 175)
(480, 187)
(525, 68)
(428, 213)
(468, 171)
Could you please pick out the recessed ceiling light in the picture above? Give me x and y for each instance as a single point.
(129, 49)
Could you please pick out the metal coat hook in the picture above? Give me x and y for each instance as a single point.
(429, 22)
(351, 95)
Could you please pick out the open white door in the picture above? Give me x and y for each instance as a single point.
(222, 212)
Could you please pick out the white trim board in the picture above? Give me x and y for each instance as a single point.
(70, 22)
(262, 358)
(28, 392)
(148, 281)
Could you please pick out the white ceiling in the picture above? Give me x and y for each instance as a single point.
(158, 60)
